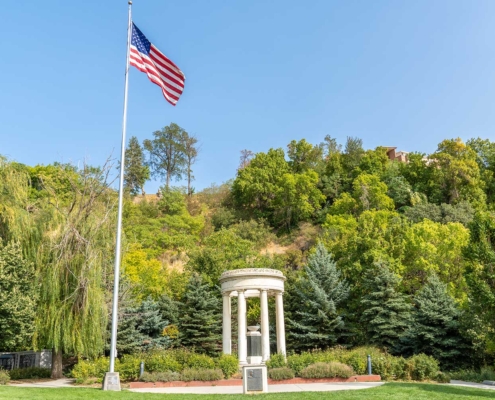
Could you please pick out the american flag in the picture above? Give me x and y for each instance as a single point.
(161, 71)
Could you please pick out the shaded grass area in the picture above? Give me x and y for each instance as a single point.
(389, 391)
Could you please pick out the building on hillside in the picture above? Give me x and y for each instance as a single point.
(392, 154)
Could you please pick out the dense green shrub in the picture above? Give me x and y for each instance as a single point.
(167, 376)
(422, 367)
(356, 360)
(161, 361)
(228, 364)
(200, 361)
(327, 370)
(392, 368)
(278, 374)
(29, 373)
(86, 369)
(297, 362)
(442, 377)
(180, 355)
(4, 377)
(128, 367)
(419, 367)
(276, 361)
(470, 375)
(201, 375)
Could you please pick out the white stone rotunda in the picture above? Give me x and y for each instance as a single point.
(252, 282)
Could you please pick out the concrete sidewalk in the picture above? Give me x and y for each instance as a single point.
(471, 385)
(52, 383)
(304, 387)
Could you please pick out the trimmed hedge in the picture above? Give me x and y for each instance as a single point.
(278, 374)
(201, 375)
(327, 370)
(160, 376)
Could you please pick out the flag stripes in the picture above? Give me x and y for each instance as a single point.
(159, 68)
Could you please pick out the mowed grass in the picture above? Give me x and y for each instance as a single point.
(389, 391)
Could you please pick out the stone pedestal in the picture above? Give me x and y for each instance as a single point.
(254, 379)
(111, 381)
(253, 345)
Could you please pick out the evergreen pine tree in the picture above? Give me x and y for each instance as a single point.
(129, 338)
(200, 322)
(435, 328)
(152, 324)
(386, 313)
(317, 322)
(136, 173)
(169, 309)
(142, 328)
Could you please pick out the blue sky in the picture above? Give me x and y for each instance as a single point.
(259, 74)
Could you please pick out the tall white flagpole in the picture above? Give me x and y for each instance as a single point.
(115, 303)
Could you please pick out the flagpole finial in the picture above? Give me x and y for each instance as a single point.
(129, 2)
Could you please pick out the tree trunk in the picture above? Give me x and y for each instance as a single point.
(168, 180)
(57, 364)
(189, 182)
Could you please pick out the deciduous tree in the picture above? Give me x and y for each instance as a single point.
(74, 262)
(166, 153)
(191, 150)
(304, 156)
(18, 295)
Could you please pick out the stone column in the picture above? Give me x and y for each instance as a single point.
(241, 327)
(265, 331)
(226, 325)
(279, 307)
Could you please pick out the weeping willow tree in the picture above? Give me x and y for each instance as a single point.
(74, 262)
(22, 219)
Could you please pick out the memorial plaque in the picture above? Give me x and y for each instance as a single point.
(27, 360)
(253, 345)
(111, 381)
(255, 379)
(7, 361)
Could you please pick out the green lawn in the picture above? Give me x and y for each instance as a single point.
(389, 391)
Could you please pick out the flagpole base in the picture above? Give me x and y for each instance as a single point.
(111, 381)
